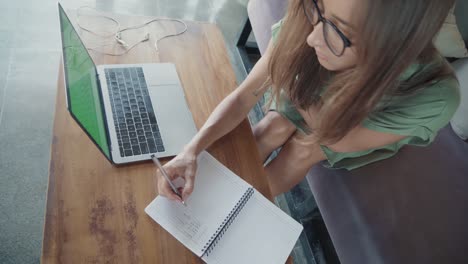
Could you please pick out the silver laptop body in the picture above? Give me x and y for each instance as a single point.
(170, 121)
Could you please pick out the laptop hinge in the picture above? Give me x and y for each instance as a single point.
(109, 143)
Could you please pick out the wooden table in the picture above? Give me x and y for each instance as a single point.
(95, 209)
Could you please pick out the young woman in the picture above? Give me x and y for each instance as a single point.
(352, 81)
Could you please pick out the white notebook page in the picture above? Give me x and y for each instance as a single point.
(261, 233)
(214, 196)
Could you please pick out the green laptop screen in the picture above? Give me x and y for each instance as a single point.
(82, 87)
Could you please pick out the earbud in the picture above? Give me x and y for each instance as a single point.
(118, 38)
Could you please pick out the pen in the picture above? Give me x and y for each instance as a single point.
(163, 172)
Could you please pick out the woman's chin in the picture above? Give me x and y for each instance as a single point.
(329, 66)
(325, 64)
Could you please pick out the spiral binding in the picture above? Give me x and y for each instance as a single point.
(209, 246)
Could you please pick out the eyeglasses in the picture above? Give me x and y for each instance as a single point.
(336, 41)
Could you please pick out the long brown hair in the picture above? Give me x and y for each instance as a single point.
(392, 35)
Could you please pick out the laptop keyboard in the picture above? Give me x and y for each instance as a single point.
(134, 119)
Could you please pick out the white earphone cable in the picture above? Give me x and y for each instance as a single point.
(117, 34)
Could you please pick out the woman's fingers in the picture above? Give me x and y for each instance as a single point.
(164, 187)
(166, 190)
(189, 182)
(178, 167)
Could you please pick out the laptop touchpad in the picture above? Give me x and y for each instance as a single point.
(172, 113)
(161, 74)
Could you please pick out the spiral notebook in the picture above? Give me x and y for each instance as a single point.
(226, 220)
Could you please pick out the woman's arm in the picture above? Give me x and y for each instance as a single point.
(361, 138)
(234, 108)
(226, 116)
(358, 139)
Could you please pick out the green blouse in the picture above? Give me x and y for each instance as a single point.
(418, 116)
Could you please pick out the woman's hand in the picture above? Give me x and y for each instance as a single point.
(183, 165)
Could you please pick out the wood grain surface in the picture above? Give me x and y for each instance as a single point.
(95, 210)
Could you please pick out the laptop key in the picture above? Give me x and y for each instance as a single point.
(121, 150)
(129, 121)
(154, 128)
(126, 145)
(145, 121)
(131, 128)
(136, 150)
(138, 126)
(140, 132)
(134, 142)
(137, 119)
(132, 134)
(159, 142)
(128, 152)
(125, 139)
(147, 128)
(157, 134)
(152, 148)
(126, 73)
(161, 149)
(128, 115)
(144, 148)
(142, 138)
(149, 134)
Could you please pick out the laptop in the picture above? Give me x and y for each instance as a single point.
(130, 111)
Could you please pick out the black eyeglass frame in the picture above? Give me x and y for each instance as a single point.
(346, 41)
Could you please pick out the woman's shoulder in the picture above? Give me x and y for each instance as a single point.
(420, 114)
(432, 106)
(449, 86)
(445, 92)
(277, 25)
(275, 29)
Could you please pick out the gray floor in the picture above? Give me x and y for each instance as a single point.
(29, 57)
